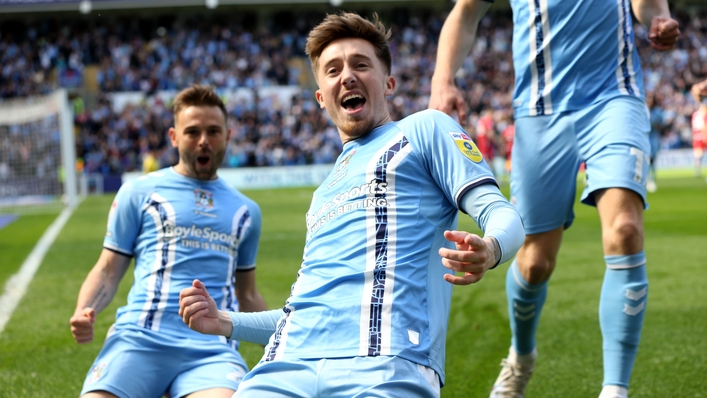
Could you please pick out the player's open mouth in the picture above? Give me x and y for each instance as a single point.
(353, 102)
(203, 160)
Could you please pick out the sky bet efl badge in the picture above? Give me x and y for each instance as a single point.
(467, 146)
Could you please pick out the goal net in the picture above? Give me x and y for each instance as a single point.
(37, 154)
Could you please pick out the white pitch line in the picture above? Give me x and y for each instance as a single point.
(17, 284)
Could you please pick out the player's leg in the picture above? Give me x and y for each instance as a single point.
(697, 155)
(543, 184)
(526, 286)
(625, 288)
(652, 185)
(615, 144)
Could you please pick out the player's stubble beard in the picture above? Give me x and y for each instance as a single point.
(354, 129)
(200, 173)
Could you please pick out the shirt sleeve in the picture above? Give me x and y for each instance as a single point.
(496, 217)
(248, 245)
(123, 221)
(254, 327)
(448, 153)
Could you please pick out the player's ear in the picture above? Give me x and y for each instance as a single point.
(320, 98)
(390, 85)
(173, 137)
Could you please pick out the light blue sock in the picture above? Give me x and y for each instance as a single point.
(621, 310)
(525, 303)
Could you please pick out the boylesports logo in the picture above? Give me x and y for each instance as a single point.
(202, 238)
(467, 146)
(367, 195)
(195, 232)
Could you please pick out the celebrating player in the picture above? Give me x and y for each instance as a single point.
(578, 97)
(179, 224)
(369, 310)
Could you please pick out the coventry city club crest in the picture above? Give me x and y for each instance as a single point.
(204, 198)
(345, 161)
(467, 146)
(96, 373)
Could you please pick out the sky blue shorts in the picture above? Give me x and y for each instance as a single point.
(610, 137)
(381, 376)
(146, 364)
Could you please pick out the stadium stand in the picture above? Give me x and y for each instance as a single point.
(120, 70)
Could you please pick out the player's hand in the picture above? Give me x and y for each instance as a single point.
(198, 309)
(448, 99)
(663, 33)
(473, 256)
(82, 325)
(699, 90)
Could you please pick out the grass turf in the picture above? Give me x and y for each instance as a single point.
(38, 357)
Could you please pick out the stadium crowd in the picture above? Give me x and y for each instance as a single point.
(267, 131)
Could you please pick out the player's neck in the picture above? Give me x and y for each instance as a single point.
(179, 168)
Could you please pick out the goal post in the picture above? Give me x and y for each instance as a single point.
(37, 154)
(68, 147)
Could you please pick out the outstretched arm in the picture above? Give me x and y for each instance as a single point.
(97, 292)
(455, 41)
(503, 236)
(655, 15)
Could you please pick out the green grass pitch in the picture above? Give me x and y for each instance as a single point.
(38, 357)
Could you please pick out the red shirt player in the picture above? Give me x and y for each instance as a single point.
(507, 135)
(699, 125)
(484, 135)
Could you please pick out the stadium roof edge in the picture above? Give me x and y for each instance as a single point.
(41, 6)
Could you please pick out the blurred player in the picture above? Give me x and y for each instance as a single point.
(151, 158)
(507, 135)
(151, 161)
(578, 98)
(654, 136)
(368, 313)
(699, 125)
(179, 223)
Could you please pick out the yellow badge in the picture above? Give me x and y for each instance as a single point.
(467, 147)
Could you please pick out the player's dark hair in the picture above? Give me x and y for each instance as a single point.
(197, 95)
(347, 25)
